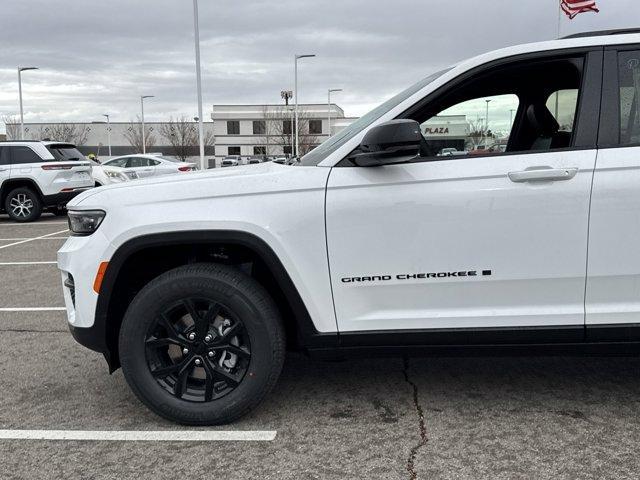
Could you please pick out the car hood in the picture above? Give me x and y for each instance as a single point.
(243, 180)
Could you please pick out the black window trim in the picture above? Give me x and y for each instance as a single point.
(587, 121)
(609, 134)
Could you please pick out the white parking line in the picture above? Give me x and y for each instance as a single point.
(29, 238)
(28, 263)
(32, 224)
(32, 239)
(32, 309)
(143, 436)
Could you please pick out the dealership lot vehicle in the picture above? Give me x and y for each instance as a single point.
(255, 159)
(108, 174)
(37, 176)
(144, 166)
(230, 161)
(198, 307)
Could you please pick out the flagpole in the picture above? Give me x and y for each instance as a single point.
(559, 16)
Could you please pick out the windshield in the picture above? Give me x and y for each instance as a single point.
(65, 152)
(318, 154)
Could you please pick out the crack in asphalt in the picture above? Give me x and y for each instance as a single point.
(413, 475)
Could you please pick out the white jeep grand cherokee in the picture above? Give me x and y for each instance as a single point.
(197, 285)
(38, 175)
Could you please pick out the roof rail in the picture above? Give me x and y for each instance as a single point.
(599, 33)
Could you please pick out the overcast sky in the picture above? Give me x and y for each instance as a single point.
(98, 57)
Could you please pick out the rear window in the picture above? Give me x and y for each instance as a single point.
(65, 153)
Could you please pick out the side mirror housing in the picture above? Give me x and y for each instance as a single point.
(397, 141)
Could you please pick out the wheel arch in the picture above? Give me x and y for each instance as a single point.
(161, 252)
(12, 183)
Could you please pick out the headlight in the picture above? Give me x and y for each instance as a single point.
(85, 222)
(117, 175)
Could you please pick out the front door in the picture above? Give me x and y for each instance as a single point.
(488, 227)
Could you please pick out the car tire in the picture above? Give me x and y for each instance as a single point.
(160, 344)
(23, 205)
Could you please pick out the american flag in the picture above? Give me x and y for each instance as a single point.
(573, 7)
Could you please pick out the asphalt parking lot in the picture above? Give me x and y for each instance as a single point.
(472, 418)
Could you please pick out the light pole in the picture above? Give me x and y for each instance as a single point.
(510, 117)
(20, 70)
(196, 29)
(487, 123)
(142, 97)
(286, 95)
(108, 131)
(329, 107)
(298, 57)
(291, 123)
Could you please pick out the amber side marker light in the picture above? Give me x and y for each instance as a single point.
(97, 283)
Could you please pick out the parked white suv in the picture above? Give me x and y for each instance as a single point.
(374, 243)
(40, 175)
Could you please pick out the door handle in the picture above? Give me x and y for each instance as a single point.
(545, 174)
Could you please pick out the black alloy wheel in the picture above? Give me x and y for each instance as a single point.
(198, 350)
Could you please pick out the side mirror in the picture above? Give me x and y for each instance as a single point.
(397, 141)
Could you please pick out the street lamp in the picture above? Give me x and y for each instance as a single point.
(108, 131)
(298, 57)
(20, 70)
(291, 123)
(486, 135)
(329, 106)
(286, 95)
(196, 30)
(142, 97)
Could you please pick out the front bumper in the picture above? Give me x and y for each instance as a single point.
(78, 261)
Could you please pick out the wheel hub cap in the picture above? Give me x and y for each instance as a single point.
(21, 205)
(198, 350)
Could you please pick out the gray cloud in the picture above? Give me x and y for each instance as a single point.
(98, 57)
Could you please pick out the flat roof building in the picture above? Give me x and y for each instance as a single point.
(233, 130)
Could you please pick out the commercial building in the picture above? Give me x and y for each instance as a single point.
(446, 131)
(267, 129)
(233, 130)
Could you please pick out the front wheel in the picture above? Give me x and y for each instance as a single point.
(202, 344)
(23, 205)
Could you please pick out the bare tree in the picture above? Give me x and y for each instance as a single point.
(64, 132)
(12, 126)
(182, 135)
(133, 134)
(478, 134)
(279, 124)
